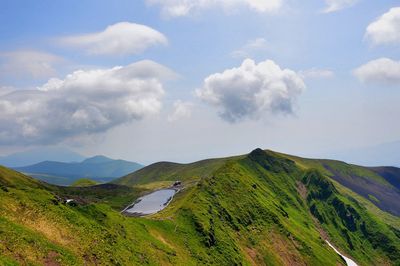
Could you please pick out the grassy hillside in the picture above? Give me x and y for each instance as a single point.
(379, 185)
(258, 209)
(391, 174)
(84, 182)
(168, 171)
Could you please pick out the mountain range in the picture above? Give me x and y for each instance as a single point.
(260, 208)
(98, 168)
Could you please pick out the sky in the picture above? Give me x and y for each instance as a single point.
(178, 80)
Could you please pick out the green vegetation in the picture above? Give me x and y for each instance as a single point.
(84, 182)
(349, 224)
(379, 185)
(261, 209)
(373, 198)
(167, 171)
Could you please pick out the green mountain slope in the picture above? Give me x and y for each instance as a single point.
(258, 209)
(84, 182)
(391, 174)
(162, 171)
(379, 185)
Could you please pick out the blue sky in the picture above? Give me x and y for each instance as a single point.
(336, 110)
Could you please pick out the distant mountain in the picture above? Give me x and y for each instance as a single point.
(98, 168)
(97, 159)
(34, 156)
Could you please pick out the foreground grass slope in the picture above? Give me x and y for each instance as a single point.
(258, 209)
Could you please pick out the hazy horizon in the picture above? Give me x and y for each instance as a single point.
(156, 80)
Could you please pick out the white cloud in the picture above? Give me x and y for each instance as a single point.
(336, 5)
(252, 90)
(25, 64)
(251, 46)
(386, 29)
(84, 102)
(181, 110)
(6, 90)
(178, 8)
(382, 70)
(122, 38)
(315, 73)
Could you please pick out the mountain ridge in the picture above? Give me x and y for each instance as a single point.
(370, 180)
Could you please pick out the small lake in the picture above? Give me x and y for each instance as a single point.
(151, 203)
(349, 262)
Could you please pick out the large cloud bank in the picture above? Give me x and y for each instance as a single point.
(82, 103)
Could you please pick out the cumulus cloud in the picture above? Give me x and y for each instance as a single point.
(336, 5)
(315, 73)
(178, 8)
(251, 46)
(122, 38)
(252, 90)
(386, 29)
(382, 70)
(180, 110)
(83, 103)
(25, 64)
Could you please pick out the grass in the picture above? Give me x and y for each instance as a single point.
(246, 210)
(349, 224)
(167, 171)
(84, 182)
(363, 180)
(156, 185)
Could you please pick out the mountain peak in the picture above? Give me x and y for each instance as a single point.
(271, 161)
(97, 159)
